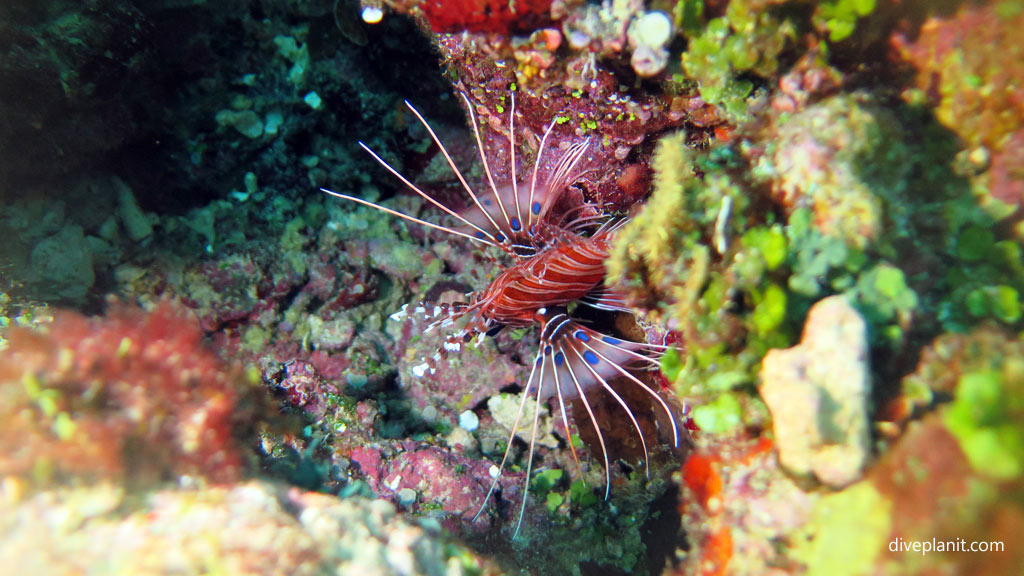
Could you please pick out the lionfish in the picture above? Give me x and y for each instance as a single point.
(553, 261)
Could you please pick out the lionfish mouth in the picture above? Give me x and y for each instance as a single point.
(556, 262)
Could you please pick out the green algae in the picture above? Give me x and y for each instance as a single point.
(846, 534)
(769, 309)
(839, 17)
(746, 40)
(985, 418)
(545, 481)
(736, 283)
(581, 496)
(293, 243)
(610, 534)
(999, 302)
(885, 300)
(723, 415)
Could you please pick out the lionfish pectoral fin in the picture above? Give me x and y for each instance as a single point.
(589, 358)
(609, 352)
(440, 315)
(511, 439)
(605, 298)
(563, 371)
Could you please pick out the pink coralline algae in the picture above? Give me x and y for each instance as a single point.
(235, 289)
(134, 395)
(339, 287)
(425, 478)
(457, 381)
(969, 67)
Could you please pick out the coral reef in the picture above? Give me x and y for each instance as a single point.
(822, 224)
(737, 505)
(967, 67)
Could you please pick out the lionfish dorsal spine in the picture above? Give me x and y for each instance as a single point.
(487, 167)
(497, 237)
(486, 235)
(534, 207)
(406, 216)
(517, 224)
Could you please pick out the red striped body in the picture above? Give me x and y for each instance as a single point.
(557, 275)
(559, 258)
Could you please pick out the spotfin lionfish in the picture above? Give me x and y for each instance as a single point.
(554, 261)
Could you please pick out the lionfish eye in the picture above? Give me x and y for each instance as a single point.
(539, 314)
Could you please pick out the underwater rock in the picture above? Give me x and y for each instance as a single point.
(969, 67)
(62, 264)
(983, 372)
(251, 528)
(304, 387)
(506, 409)
(818, 391)
(737, 505)
(443, 480)
(224, 291)
(441, 378)
(134, 220)
(75, 81)
(648, 37)
(246, 122)
(843, 159)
